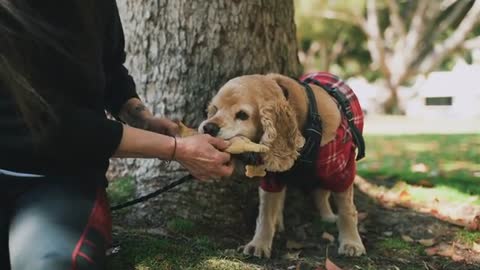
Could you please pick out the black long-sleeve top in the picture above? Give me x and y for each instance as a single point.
(79, 88)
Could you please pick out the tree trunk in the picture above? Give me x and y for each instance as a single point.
(391, 105)
(180, 52)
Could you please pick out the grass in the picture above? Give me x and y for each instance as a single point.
(144, 252)
(180, 225)
(121, 190)
(396, 245)
(141, 251)
(451, 163)
(468, 237)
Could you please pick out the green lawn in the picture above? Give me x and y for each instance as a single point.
(450, 163)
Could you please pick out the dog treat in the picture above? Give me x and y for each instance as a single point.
(255, 171)
(238, 145)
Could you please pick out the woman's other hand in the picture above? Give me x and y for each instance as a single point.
(202, 155)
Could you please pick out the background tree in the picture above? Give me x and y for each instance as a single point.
(406, 38)
(180, 52)
(330, 45)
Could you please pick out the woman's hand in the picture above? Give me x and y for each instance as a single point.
(202, 156)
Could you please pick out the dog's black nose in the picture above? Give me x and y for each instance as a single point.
(211, 128)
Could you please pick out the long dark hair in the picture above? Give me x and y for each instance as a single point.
(19, 25)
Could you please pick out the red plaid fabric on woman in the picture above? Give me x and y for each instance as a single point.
(335, 167)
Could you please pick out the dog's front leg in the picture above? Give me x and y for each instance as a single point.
(269, 216)
(321, 197)
(348, 236)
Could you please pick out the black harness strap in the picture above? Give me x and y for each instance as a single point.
(347, 111)
(313, 136)
(313, 129)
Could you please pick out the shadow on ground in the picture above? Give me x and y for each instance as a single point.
(392, 237)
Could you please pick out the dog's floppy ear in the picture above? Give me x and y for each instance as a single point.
(280, 134)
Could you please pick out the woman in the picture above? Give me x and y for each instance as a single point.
(61, 67)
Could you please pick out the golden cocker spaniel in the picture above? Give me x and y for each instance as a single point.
(272, 110)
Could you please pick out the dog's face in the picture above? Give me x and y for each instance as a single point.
(235, 110)
(256, 107)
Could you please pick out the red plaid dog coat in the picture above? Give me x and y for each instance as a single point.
(334, 168)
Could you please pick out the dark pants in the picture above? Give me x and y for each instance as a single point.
(53, 224)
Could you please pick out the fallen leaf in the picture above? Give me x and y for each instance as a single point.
(294, 245)
(329, 237)
(446, 250)
(419, 167)
(425, 183)
(407, 239)
(476, 247)
(405, 196)
(427, 242)
(362, 216)
(431, 251)
(329, 265)
(457, 258)
(292, 255)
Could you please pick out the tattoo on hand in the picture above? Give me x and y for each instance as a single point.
(135, 116)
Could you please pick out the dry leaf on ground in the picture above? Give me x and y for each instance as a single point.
(476, 247)
(328, 237)
(427, 242)
(362, 216)
(407, 239)
(329, 265)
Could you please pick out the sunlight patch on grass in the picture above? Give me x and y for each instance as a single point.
(421, 146)
(225, 264)
(449, 166)
(141, 251)
(443, 193)
(468, 237)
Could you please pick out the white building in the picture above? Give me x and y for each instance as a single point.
(451, 94)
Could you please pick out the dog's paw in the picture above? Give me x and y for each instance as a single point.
(351, 248)
(260, 249)
(330, 218)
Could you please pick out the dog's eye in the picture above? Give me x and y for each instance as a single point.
(211, 111)
(241, 115)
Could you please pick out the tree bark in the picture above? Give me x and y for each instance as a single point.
(180, 52)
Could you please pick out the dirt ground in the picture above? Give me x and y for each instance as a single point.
(390, 235)
(394, 238)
